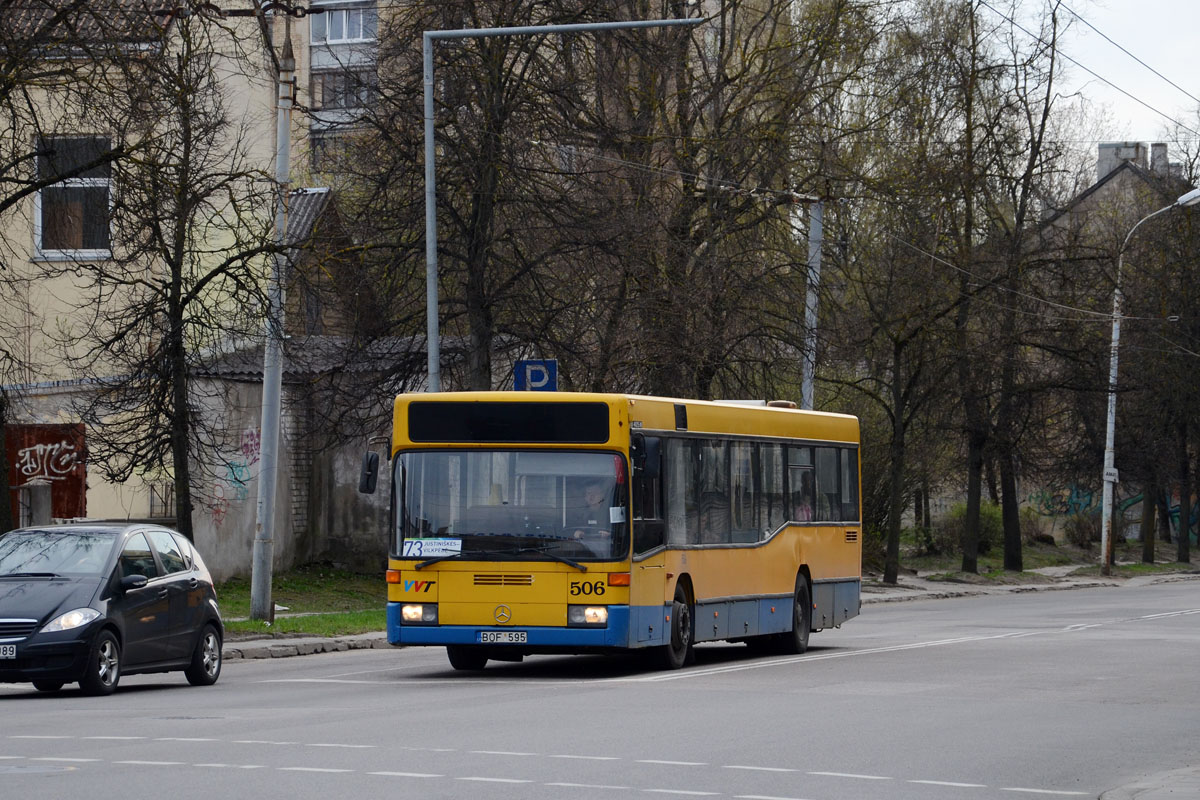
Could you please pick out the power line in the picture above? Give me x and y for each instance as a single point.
(1039, 39)
(1077, 16)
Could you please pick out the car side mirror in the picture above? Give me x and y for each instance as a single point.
(133, 582)
(370, 473)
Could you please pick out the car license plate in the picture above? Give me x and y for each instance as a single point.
(503, 637)
(8, 651)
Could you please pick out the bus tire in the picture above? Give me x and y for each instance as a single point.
(795, 641)
(678, 650)
(464, 657)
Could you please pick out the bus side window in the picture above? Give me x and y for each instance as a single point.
(649, 527)
(829, 504)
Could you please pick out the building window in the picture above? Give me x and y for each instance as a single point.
(343, 88)
(347, 24)
(71, 218)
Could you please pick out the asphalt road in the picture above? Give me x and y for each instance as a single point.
(1048, 694)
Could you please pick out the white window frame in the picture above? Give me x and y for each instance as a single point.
(45, 254)
(326, 20)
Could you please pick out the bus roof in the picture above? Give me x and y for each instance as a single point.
(671, 414)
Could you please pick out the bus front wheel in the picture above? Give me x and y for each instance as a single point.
(466, 658)
(678, 651)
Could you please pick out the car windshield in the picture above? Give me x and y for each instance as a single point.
(511, 504)
(47, 552)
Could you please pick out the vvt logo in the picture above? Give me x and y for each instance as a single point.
(418, 586)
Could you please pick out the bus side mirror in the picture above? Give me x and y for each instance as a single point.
(370, 473)
(643, 453)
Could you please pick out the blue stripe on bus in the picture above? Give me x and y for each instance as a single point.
(615, 635)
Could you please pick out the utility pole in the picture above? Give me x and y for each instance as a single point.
(816, 212)
(261, 605)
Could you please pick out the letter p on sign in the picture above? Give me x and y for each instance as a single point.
(536, 375)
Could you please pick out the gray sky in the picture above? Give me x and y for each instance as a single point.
(1165, 34)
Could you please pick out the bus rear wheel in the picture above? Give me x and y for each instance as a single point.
(678, 651)
(464, 657)
(795, 641)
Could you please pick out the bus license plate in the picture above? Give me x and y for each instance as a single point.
(10, 650)
(503, 637)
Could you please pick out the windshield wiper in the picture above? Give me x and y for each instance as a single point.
(543, 550)
(30, 575)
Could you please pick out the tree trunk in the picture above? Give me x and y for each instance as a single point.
(891, 568)
(1011, 514)
(1184, 533)
(970, 532)
(1149, 507)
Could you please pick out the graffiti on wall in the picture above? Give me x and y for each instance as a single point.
(231, 485)
(1068, 500)
(1063, 501)
(52, 453)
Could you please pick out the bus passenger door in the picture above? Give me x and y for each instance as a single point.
(649, 578)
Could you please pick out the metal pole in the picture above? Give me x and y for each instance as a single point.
(1110, 434)
(261, 605)
(433, 346)
(816, 212)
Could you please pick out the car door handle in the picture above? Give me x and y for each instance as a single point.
(163, 592)
(193, 583)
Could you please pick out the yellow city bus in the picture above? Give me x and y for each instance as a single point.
(714, 521)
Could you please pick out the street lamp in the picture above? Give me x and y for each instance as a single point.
(1110, 471)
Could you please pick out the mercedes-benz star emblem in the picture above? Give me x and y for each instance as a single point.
(503, 614)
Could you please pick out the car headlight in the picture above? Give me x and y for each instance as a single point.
(71, 619)
(589, 616)
(419, 614)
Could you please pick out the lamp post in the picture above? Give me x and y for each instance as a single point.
(433, 346)
(1110, 471)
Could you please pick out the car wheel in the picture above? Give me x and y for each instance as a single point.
(103, 666)
(47, 686)
(206, 659)
(466, 658)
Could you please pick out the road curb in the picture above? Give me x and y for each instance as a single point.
(286, 648)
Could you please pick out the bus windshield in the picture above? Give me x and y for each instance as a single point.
(511, 505)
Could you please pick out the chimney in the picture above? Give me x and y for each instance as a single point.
(1113, 154)
(1158, 159)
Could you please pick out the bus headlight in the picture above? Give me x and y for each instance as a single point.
(587, 616)
(419, 614)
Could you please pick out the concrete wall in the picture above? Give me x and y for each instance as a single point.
(351, 527)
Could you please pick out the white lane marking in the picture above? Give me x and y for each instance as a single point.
(586, 758)
(140, 763)
(952, 784)
(61, 758)
(493, 780)
(407, 774)
(184, 739)
(31, 736)
(498, 753)
(113, 738)
(759, 769)
(852, 775)
(681, 791)
(346, 746)
(311, 769)
(12, 758)
(1045, 791)
(672, 763)
(589, 786)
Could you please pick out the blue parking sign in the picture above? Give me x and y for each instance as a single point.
(536, 375)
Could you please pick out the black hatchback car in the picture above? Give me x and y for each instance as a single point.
(91, 602)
